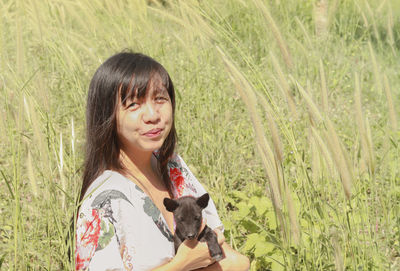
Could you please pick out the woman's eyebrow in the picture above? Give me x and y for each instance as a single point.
(160, 90)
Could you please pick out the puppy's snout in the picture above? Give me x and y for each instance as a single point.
(191, 236)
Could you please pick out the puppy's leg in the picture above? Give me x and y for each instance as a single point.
(177, 242)
(212, 241)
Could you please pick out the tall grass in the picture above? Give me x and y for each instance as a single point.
(293, 109)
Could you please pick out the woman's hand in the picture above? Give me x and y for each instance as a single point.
(193, 254)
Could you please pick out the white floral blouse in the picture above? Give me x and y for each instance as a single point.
(120, 228)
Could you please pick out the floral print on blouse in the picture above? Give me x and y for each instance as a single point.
(120, 228)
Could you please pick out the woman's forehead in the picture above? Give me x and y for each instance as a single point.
(155, 85)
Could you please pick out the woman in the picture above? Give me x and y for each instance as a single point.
(130, 168)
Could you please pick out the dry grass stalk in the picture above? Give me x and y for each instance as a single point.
(29, 166)
(19, 39)
(26, 107)
(315, 159)
(61, 171)
(381, 6)
(323, 149)
(362, 163)
(247, 94)
(31, 175)
(378, 81)
(333, 6)
(370, 145)
(276, 141)
(284, 86)
(392, 112)
(3, 127)
(294, 224)
(321, 18)
(334, 236)
(390, 29)
(194, 19)
(364, 130)
(72, 137)
(38, 23)
(360, 119)
(263, 145)
(275, 31)
(38, 137)
(324, 88)
(374, 27)
(305, 32)
(313, 109)
(365, 20)
(339, 157)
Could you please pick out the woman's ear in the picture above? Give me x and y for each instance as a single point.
(170, 204)
(203, 201)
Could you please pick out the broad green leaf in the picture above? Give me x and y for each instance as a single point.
(250, 225)
(227, 224)
(261, 204)
(278, 264)
(251, 241)
(240, 195)
(243, 210)
(270, 215)
(262, 248)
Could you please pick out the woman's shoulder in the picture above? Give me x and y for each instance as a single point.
(176, 162)
(110, 185)
(183, 180)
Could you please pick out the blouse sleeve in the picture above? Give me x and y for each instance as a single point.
(105, 235)
(185, 183)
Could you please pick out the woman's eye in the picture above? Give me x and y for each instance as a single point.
(161, 99)
(133, 106)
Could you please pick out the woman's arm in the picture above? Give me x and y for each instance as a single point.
(191, 255)
(194, 255)
(233, 261)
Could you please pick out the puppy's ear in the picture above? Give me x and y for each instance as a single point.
(203, 201)
(170, 204)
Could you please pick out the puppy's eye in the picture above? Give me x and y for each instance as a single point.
(197, 218)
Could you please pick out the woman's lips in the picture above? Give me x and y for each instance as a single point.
(153, 132)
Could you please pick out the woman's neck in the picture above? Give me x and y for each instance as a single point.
(143, 168)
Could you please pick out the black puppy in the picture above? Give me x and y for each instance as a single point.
(188, 218)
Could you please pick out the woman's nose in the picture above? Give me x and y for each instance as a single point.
(150, 113)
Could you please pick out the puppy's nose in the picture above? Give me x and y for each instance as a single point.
(191, 236)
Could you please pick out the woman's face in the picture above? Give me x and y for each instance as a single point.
(143, 124)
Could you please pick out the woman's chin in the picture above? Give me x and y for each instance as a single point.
(151, 146)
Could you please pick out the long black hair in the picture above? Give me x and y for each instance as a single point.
(124, 75)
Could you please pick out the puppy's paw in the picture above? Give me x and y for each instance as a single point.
(218, 257)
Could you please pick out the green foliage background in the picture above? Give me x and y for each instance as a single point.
(287, 111)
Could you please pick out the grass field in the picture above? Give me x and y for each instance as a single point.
(287, 111)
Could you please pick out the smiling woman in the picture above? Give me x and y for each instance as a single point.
(130, 168)
(145, 122)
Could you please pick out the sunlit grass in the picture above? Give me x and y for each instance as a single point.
(286, 110)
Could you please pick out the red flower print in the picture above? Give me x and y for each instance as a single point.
(177, 180)
(87, 238)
